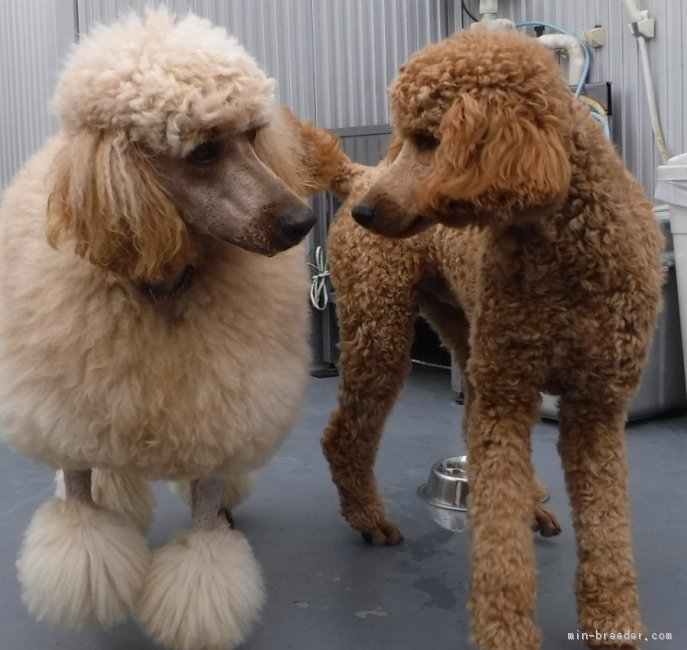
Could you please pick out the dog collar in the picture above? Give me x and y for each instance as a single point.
(158, 292)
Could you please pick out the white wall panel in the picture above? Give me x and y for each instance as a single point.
(34, 35)
(618, 62)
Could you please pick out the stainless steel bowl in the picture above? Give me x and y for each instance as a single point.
(446, 493)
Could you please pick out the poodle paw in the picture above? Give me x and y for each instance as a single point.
(384, 534)
(81, 564)
(545, 522)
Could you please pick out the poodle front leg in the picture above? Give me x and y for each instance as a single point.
(454, 329)
(592, 449)
(501, 476)
(375, 359)
(204, 589)
(119, 489)
(236, 488)
(77, 486)
(206, 503)
(81, 563)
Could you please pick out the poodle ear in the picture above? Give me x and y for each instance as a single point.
(500, 158)
(107, 198)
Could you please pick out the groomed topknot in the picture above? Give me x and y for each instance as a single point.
(501, 61)
(162, 83)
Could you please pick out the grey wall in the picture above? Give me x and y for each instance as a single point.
(34, 36)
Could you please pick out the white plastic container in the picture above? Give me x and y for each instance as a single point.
(671, 187)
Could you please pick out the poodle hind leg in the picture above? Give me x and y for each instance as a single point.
(544, 521)
(204, 589)
(592, 449)
(81, 563)
(375, 359)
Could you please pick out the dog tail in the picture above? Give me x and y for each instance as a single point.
(327, 165)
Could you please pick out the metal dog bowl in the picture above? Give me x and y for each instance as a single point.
(446, 493)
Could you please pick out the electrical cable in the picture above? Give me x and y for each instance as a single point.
(603, 121)
(467, 11)
(594, 105)
(319, 293)
(598, 112)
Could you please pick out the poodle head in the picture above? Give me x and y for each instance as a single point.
(171, 135)
(484, 124)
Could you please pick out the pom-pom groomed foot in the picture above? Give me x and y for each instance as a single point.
(204, 591)
(81, 564)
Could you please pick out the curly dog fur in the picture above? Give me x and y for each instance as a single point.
(377, 302)
(141, 335)
(543, 275)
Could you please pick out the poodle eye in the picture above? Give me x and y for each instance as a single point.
(205, 154)
(251, 135)
(426, 142)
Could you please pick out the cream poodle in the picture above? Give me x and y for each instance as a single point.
(153, 324)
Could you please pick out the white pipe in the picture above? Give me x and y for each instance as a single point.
(651, 100)
(575, 53)
(636, 16)
(488, 9)
(633, 10)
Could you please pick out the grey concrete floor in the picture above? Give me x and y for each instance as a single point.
(327, 590)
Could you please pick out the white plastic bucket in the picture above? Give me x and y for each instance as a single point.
(671, 188)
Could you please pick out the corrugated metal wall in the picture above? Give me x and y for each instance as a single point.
(359, 46)
(333, 59)
(34, 36)
(618, 62)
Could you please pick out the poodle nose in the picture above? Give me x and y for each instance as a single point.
(295, 225)
(364, 214)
